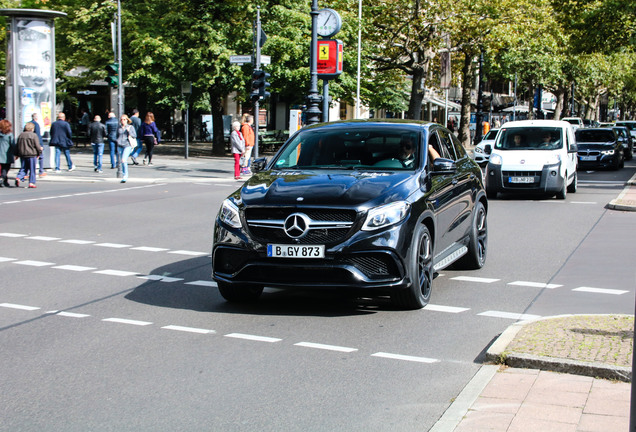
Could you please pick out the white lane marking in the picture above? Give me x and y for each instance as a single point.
(34, 263)
(17, 306)
(474, 279)
(11, 202)
(74, 268)
(600, 290)
(405, 357)
(79, 242)
(253, 337)
(326, 347)
(72, 314)
(113, 245)
(5, 259)
(13, 235)
(509, 315)
(188, 329)
(190, 253)
(116, 273)
(160, 278)
(440, 308)
(534, 284)
(43, 238)
(202, 283)
(149, 249)
(127, 321)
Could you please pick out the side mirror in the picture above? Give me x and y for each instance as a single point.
(444, 166)
(259, 164)
(487, 149)
(573, 148)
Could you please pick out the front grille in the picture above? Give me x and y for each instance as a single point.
(267, 225)
(378, 266)
(506, 175)
(589, 153)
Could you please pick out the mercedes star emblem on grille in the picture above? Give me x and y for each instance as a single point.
(296, 225)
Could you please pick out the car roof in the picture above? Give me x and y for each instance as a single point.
(536, 123)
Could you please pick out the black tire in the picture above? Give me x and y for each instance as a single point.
(239, 293)
(478, 243)
(421, 270)
(564, 189)
(574, 185)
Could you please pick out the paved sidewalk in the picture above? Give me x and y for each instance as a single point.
(534, 395)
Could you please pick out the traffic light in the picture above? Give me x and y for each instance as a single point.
(113, 74)
(259, 85)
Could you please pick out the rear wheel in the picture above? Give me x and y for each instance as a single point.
(421, 272)
(239, 293)
(478, 243)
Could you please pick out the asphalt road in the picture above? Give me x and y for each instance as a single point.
(109, 320)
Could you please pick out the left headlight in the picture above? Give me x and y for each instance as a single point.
(478, 150)
(385, 215)
(229, 214)
(553, 159)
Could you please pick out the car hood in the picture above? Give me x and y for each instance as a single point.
(597, 146)
(525, 160)
(326, 187)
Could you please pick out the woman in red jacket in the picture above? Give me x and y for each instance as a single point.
(248, 134)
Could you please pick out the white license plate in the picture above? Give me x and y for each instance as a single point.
(588, 158)
(521, 179)
(295, 251)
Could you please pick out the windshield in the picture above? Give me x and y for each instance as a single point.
(530, 138)
(594, 136)
(394, 148)
(630, 126)
(491, 134)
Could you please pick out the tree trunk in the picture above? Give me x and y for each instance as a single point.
(467, 81)
(560, 97)
(531, 102)
(417, 95)
(218, 139)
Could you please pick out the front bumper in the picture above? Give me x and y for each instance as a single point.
(600, 160)
(548, 180)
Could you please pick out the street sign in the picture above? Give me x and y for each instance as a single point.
(330, 53)
(87, 92)
(240, 59)
(266, 59)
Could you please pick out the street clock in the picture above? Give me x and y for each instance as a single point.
(328, 22)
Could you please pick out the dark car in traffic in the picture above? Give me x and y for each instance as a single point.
(599, 148)
(627, 141)
(361, 206)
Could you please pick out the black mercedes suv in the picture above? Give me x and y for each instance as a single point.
(376, 206)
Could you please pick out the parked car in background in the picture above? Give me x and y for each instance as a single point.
(599, 148)
(576, 122)
(360, 206)
(482, 151)
(629, 124)
(590, 123)
(627, 141)
(533, 156)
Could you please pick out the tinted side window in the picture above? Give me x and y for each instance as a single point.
(459, 148)
(446, 144)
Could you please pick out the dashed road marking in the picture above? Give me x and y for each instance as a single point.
(188, 329)
(78, 242)
(5, 259)
(20, 307)
(12, 235)
(116, 273)
(535, 284)
(113, 245)
(509, 315)
(127, 321)
(325, 347)
(449, 309)
(190, 253)
(202, 283)
(74, 268)
(253, 337)
(150, 249)
(71, 314)
(43, 238)
(405, 357)
(474, 279)
(600, 290)
(34, 263)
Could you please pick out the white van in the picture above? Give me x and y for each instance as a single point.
(533, 156)
(576, 122)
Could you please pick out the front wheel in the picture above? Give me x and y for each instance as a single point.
(239, 293)
(421, 272)
(564, 189)
(574, 185)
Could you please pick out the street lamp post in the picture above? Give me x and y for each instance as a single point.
(313, 99)
(186, 89)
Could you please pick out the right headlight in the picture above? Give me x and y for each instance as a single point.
(385, 215)
(229, 214)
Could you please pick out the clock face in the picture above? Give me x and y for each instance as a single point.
(328, 22)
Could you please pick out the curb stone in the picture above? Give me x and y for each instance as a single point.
(497, 353)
